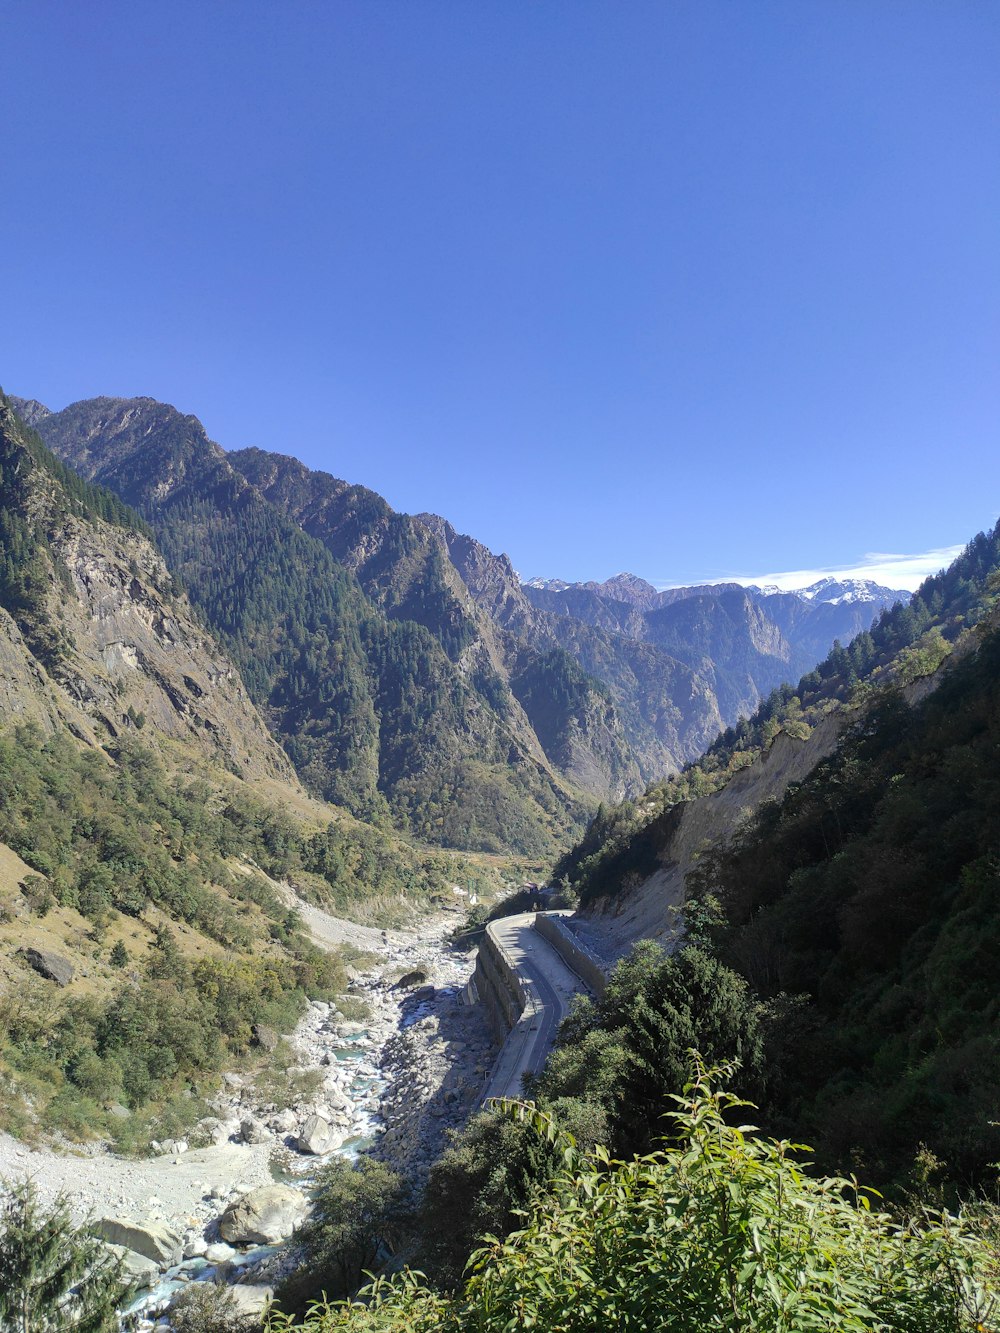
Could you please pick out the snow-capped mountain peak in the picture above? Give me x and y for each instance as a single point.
(837, 591)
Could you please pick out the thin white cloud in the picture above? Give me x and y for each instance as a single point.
(891, 570)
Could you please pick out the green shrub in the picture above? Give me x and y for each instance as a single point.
(357, 1211)
(206, 1308)
(722, 1231)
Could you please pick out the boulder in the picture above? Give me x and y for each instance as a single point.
(252, 1131)
(318, 1136)
(51, 966)
(154, 1240)
(251, 1298)
(264, 1216)
(266, 1038)
(219, 1253)
(410, 979)
(144, 1272)
(284, 1122)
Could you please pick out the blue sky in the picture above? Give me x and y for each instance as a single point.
(691, 289)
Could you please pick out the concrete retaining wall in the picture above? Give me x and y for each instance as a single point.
(499, 986)
(574, 953)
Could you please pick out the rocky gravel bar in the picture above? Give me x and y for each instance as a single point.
(393, 1085)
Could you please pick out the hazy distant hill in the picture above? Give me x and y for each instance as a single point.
(742, 640)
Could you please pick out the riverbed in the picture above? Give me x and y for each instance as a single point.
(392, 1083)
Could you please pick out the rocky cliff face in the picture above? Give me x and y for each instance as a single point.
(668, 709)
(586, 702)
(742, 642)
(102, 641)
(470, 600)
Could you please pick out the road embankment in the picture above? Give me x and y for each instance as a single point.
(554, 928)
(527, 988)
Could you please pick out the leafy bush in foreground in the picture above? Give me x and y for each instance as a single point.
(721, 1231)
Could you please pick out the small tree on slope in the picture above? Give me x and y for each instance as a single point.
(53, 1277)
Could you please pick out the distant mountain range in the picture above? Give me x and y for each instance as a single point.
(404, 669)
(743, 641)
(632, 588)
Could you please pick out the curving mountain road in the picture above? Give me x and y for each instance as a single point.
(549, 987)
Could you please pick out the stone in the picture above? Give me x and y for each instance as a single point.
(266, 1038)
(252, 1131)
(251, 1298)
(410, 979)
(264, 1216)
(154, 1240)
(219, 1253)
(117, 1111)
(284, 1122)
(51, 966)
(195, 1248)
(318, 1136)
(142, 1270)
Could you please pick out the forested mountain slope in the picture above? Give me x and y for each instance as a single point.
(609, 713)
(372, 711)
(549, 703)
(840, 858)
(788, 734)
(141, 797)
(873, 890)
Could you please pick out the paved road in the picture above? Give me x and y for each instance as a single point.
(549, 986)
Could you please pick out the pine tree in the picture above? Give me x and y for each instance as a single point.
(53, 1277)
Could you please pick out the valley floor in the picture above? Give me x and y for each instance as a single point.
(423, 1056)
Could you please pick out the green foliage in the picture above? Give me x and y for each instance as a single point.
(357, 1213)
(722, 1230)
(616, 1062)
(872, 890)
(84, 819)
(476, 1187)
(203, 1307)
(555, 692)
(627, 1052)
(53, 1277)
